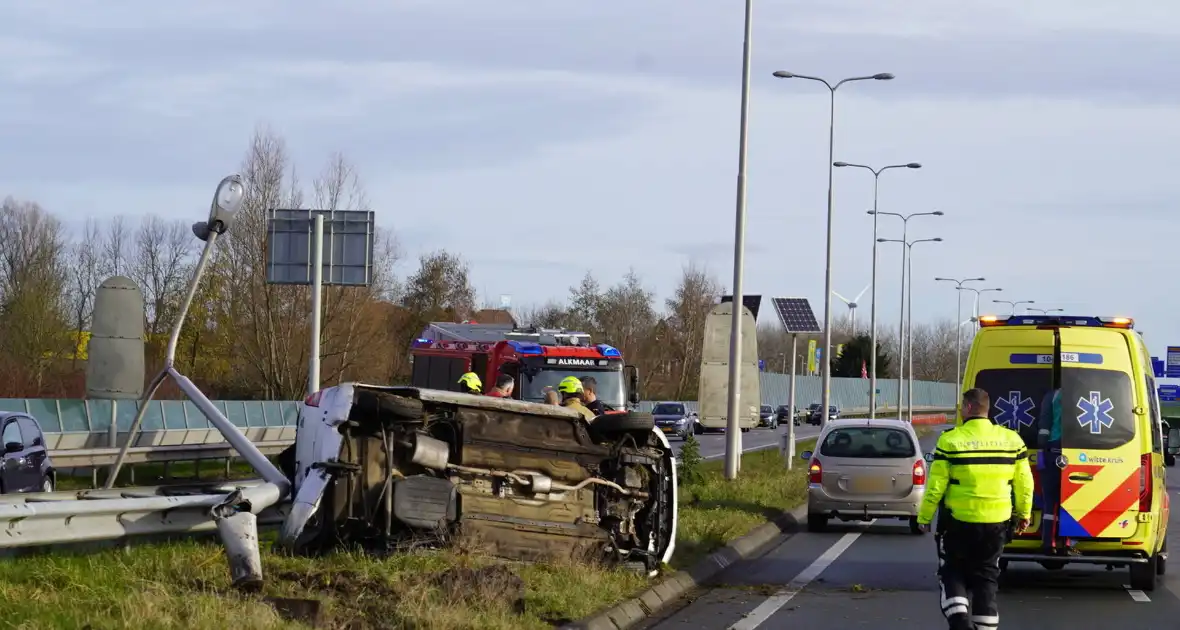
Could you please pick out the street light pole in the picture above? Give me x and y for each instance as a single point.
(733, 434)
(975, 308)
(827, 353)
(1045, 311)
(1014, 304)
(901, 351)
(908, 255)
(959, 333)
(873, 283)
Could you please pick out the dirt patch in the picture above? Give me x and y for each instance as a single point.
(495, 583)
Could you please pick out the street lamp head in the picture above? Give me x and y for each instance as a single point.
(884, 76)
(978, 279)
(938, 213)
(839, 164)
(870, 212)
(226, 203)
(948, 279)
(937, 239)
(884, 240)
(913, 165)
(783, 74)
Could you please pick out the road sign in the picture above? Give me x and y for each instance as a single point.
(1157, 366)
(1172, 369)
(348, 246)
(761, 365)
(796, 316)
(1169, 393)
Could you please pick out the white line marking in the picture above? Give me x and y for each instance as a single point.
(1136, 595)
(773, 603)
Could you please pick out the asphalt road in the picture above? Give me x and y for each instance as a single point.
(882, 577)
(713, 444)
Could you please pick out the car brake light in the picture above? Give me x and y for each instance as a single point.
(1146, 493)
(919, 473)
(313, 400)
(815, 472)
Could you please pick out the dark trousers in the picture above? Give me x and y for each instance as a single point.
(1050, 496)
(969, 573)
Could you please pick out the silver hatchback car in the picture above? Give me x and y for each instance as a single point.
(865, 469)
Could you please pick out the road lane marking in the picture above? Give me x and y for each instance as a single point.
(766, 609)
(759, 448)
(1136, 595)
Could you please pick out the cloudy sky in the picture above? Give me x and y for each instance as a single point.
(1046, 132)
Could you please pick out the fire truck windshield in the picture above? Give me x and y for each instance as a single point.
(610, 384)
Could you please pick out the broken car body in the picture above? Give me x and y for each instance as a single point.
(390, 468)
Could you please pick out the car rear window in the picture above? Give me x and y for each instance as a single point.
(767, 409)
(668, 410)
(1096, 405)
(868, 442)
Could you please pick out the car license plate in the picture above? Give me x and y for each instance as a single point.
(870, 484)
(668, 429)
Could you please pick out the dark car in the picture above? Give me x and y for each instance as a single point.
(767, 417)
(26, 466)
(786, 414)
(813, 413)
(1171, 443)
(673, 419)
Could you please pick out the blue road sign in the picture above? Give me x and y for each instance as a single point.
(1157, 366)
(761, 365)
(1172, 368)
(1169, 393)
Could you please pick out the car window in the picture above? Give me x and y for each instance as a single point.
(868, 442)
(29, 430)
(1016, 395)
(668, 410)
(1097, 408)
(767, 409)
(11, 433)
(1157, 429)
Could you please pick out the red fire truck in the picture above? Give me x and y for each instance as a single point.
(537, 358)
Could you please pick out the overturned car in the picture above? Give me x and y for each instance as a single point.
(391, 468)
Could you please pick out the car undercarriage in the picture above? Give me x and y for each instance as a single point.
(394, 468)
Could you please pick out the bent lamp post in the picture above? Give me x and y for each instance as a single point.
(233, 508)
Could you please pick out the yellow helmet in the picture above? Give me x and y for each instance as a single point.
(471, 381)
(570, 385)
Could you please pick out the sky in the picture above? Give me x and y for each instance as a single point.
(543, 139)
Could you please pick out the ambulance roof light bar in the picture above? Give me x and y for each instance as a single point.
(986, 321)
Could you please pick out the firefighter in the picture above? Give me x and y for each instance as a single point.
(469, 383)
(571, 390)
(978, 470)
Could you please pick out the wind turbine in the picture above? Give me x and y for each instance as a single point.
(852, 305)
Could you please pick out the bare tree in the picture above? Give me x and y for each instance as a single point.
(33, 280)
(115, 259)
(85, 275)
(160, 266)
(687, 310)
(626, 316)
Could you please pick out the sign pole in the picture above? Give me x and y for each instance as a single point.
(790, 450)
(317, 285)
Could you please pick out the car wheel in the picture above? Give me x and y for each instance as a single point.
(1161, 563)
(1143, 575)
(698, 429)
(816, 522)
(47, 484)
(915, 528)
(745, 430)
(623, 422)
(1169, 460)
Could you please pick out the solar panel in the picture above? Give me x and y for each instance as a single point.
(796, 315)
(751, 302)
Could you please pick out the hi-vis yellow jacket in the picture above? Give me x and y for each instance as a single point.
(976, 467)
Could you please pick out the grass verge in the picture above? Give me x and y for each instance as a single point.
(186, 584)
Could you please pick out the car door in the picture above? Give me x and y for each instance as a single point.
(14, 471)
(36, 455)
(1100, 476)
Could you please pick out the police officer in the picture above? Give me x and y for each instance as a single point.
(978, 469)
(469, 383)
(572, 397)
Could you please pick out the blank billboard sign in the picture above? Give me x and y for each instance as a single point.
(348, 246)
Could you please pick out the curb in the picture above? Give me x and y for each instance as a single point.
(626, 614)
